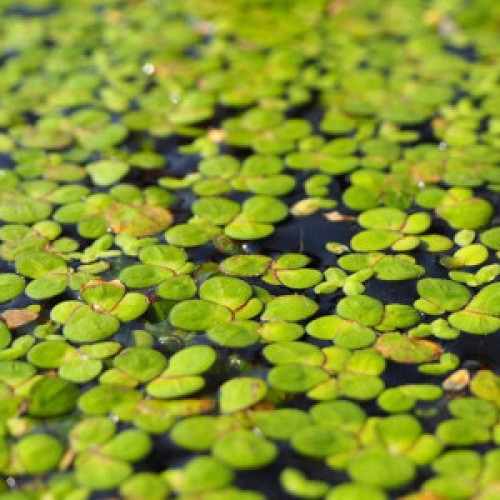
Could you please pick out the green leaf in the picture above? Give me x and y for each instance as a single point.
(198, 314)
(11, 285)
(439, 295)
(295, 483)
(52, 396)
(99, 472)
(242, 449)
(381, 469)
(322, 441)
(240, 393)
(107, 172)
(289, 308)
(39, 453)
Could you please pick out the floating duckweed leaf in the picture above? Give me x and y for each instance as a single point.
(100, 472)
(280, 331)
(458, 462)
(321, 441)
(295, 483)
(137, 220)
(20, 209)
(50, 354)
(198, 433)
(5, 335)
(192, 360)
(130, 445)
(38, 264)
(243, 449)
(403, 398)
(289, 308)
(240, 393)
(38, 453)
(476, 410)
(360, 386)
(264, 209)
(175, 387)
(470, 255)
(484, 275)
(201, 474)
(486, 385)
(11, 285)
(81, 370)
(104, 464)
(282, 423)
(462, 432)
(481, 316)
(439, 295)
(400, 348)
(91, 431)
(191, 234)
(15, 373)
(375, 239)
(107, 172)
(389, 226)
(140, 362)
(294, 352)
(463, 211)
(296, 378)
(245, 265)
(349, 334)
(258, 213)
(107, 305)
(382, 218)
(181, 378)
(51, 397)
(144, 485)
(362, 308)
(491, 238)
(102, 399)
(354, 491)
(230, 292)
(381, 469)
(249, 112)
(218, 211)
(464, 237)
(160, 263)
(346, 415)
(224, 166)
(386, 267)
(447, 362)
(198, 314)
(235, 334)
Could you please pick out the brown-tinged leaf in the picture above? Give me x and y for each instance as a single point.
(402, 349)
(14, 318)
(137, 220)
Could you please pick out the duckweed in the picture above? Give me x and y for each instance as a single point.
(246, 250)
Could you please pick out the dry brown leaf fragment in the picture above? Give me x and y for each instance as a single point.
(14, 318)
(457, 380)
(336, 216)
